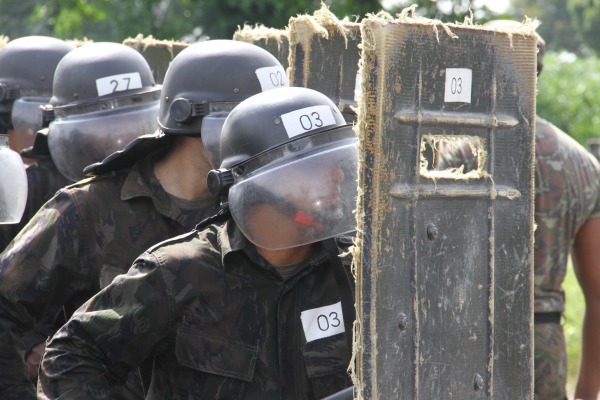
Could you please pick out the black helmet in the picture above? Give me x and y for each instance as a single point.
(203, 83)
(98, 71)
(27, 68)
(104, 96)
(292, 150)
(213, 72)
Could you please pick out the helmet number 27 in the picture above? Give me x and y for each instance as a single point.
(118, 83)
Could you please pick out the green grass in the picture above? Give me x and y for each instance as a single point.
(574, 309)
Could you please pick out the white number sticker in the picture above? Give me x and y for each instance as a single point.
(118, 83)
(458, 85)
(322, 322)
(307, 119)
(271, 77)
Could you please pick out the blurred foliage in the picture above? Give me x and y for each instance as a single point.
(572, 25)
(557, 24)
(447, 10)
(586, 15)
(567, 94)
(114, 20)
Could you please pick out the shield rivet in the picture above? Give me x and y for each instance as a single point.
(432, 231)
(402, 322)
(477, 382)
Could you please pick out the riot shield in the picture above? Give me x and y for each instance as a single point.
(444, 264)
(275, 41)
(13, 184)
(158, 53)
(324, 56)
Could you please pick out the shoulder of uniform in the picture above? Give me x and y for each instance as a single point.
(93, 179)
(173, 241)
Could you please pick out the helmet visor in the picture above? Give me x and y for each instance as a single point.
(27, 117)
(305, 194)
(210, 130)
(80, 140)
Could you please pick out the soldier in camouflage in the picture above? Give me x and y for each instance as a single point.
(154, 189)
(43, 181)
(27, 67)
(567, 217)
(258, 308)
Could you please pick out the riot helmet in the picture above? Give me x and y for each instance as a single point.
(201, 86)
(289, 168)
(104, 96)
(27, 68)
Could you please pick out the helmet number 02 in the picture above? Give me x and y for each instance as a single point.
(118, 83)
(271, 77)
(307, 119)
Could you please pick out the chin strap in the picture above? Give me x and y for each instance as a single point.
(345, 282)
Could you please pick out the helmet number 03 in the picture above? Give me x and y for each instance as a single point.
(307, 119)
(118, 83)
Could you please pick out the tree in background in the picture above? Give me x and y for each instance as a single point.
(586, 15)
(114, 20)
(446, 10)
(572, 25)
(567, 95)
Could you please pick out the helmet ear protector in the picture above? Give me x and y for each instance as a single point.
(183, 110)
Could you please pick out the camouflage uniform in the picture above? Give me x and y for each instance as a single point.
(215, 321)
(567, 194)
(43, 181)
(76, 244)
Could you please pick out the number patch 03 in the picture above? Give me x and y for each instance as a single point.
(271, 77)
(458, 85)
(118, 83)
(323, 322)
(307, 119)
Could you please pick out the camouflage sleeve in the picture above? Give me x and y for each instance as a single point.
(39, 271)
(43, 181)
(108, 336)
(15, 385)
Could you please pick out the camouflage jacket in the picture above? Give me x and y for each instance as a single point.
(43, 181)
(567, 194)
(77, 243)
(214, 320)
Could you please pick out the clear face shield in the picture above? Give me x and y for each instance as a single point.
(76, 141)
(13, 184)
(27, 118)
(303, 192)
(212, 124)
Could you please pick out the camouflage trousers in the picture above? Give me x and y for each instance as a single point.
(550, 362)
